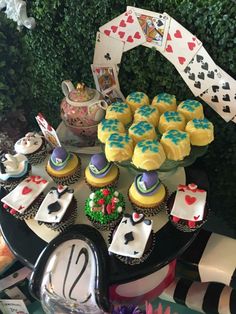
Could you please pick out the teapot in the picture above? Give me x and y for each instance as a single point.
(82, 108)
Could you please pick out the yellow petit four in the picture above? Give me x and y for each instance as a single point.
(164, 102)
(191, 109)
(147, 113)
(120, 111)
(142, 130)
(136, 100)
(107, 127)
(119, 147)
(201, 131)
(171, 120)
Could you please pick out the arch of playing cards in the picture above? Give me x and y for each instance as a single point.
(184, 50)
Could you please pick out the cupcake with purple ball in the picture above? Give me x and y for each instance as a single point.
(100, 173)
(63, 167)
(147, 193)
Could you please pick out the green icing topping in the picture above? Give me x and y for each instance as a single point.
(190, 105)
(110, 125)
(119, 140)
(201, 123)
(136, 97)
(97, 214)
(172, 116)
(119, 107)
(149, 145)
(167, 98)
(141, 128)
(146, 111)
(175, 136)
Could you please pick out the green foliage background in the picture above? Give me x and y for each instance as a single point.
(62, 46)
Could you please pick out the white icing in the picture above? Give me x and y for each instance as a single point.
(28, 144)
(91, 203)
(92, 195)
(15, 166)
(51, 197)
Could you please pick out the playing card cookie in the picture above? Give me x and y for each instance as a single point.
(120, 111)
(147, 113)
(191, 109)
(187, 208)
(24, 201)
(33, 146)
(107, 127)
(164, 102)
(142, 130)
(104, 208)
(201, 132)
(176, 144)
(148, 155)
(136, 100)
(133, 240)
(171, 120)
(147, 194)
(13, 169)
(59, 209)
(100, 173)
(119, 147)
(63, 167)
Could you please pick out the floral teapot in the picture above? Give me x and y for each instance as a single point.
(82, 108)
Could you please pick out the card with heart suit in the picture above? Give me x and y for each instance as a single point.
(113, 95)
(125, 28)
(25, 193)
(181, 45)
(221, 96)
(105, 77)
(201, 72)
(155, 26)
(108, 50)
(189, 203)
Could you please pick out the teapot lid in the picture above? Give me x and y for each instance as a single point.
(81, 93)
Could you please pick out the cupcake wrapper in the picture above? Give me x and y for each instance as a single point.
(38, 157)
(134, 261)
(11, 184)
(113, 184)
(104, 227)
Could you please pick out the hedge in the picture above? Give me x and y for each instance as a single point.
(62, 46)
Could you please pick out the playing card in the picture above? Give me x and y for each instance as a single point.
(107, 50)
(201, 72)
(49, 133)
(221, 96)
(113, 95)
(181, 45)
(155, 26)
(125, 28)
(105, 77)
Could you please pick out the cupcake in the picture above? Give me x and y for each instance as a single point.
(164, 102)
(133, 240)
(100, 173)
(136, 100)
(33, 146)
(201, 132)
(104, 208)
(176, 144)
(142, 130)
(59, 209)
(13, 169)
(120, 111)
(191, 109)
(171, 120)
(148, 155)
(119, 147)
(63, 167)
(147, 194)
(147, 113)
(187, 208)
(107, 127)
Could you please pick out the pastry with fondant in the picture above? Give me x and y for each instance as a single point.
(142, 130)
(24, 201)
(120, 111)
(191, 109)
(63, 167)
(133, 240)
(171, 120)
(119, 147)
(176, 144)
(147, 113)
(201, 132)
(33, 146)
(13, 169)
(100, 173)
(148, 155)
(58, 210)
(147, 193)
(104, 208)
(164, 102)
(108, 126)
(136, 100)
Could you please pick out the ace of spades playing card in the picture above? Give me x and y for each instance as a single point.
(105, 77)
(125, 28)
(221, 96)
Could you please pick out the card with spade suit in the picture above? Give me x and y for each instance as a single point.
(125, 28)
(108, 50)
(201, 72)
(105, 76)
(181, 45)
(221, 96)
(155, 26)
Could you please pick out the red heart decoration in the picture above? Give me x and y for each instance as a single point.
(122, 23)
(191, 45)
(178, 34)
(114, 28)
(130, 19)
(168, 37)
(130, 39)
(26, 190)
(181, 60)
(169, 48)
(190, 199)
(137, 35)
(121, 34)
(196, 217)
(194, 38)
(136, 215)
(107, 32)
